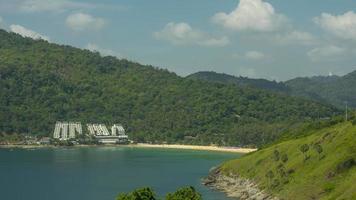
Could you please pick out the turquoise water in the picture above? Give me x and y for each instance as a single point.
(100, 173)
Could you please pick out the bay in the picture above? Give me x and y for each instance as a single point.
(100, 173)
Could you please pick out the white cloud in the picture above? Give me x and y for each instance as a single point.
(54, 6)
(81, 22)
(343, 26)
(326, 53)
(296, 37)
(251, 56)
(254, 55)
(184, 34)
(51, 5)
(255, 15)
(27, 32)
(102, 51)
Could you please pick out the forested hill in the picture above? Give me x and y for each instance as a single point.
(240, 81)
(41, 83)
(334, 90)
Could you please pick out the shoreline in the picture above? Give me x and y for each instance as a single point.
(143, 145)
(196, 147)
(235, 186)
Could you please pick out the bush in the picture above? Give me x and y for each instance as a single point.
(345, 165)
(276, 155)
(186, 193)
(284, 158)
(138, 194)
(354, 122)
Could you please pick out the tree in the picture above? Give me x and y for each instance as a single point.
(284, 158)
(276, 155)
(186, 193)
(138, 194)
(270, 176)
(318, 148)
(304, 149)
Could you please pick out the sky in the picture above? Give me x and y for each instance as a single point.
(272, 39)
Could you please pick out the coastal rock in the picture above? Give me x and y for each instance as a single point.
(235, 186)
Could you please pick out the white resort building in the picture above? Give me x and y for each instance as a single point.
(67, 130)
(71, 130)
(101, 133)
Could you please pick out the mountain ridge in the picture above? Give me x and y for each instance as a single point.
(335, 90)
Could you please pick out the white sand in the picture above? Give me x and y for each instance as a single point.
(194, 147)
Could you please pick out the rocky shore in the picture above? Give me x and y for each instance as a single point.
(235, 186)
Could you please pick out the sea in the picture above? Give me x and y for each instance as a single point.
(101, 173)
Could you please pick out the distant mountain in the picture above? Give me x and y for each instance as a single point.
(42, 82)
(240, 81)
(334, 90)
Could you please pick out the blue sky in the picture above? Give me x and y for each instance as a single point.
(273, 39)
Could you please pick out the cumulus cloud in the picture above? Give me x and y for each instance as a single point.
(255, 15)
(251, 56)
(27, 32)
(104, 52)
(82, 21)
(296, 37)
(184, 34)
(343, 26)
(326, 53)
(254, 55)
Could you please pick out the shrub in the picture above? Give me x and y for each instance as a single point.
(138, 194)
(276, 155)
(345, 165)
(186, 193)
(328, 187)
(284, 158)
(354, 122)
(304, 149)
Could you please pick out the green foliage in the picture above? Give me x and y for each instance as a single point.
(284, 158)
(332, 177)
(138, 194)
(346, 165)
(304, 149)
(354, 122)
(276, 155)
(186, 193)
(240, 81)
(42, 83)
(330, 89)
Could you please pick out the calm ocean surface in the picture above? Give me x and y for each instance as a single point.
(100, 173)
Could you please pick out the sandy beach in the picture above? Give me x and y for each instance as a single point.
(144, 145)
(195, 147)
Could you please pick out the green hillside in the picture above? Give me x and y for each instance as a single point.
(326, 169)
(43, 82)
(240, 81)
(334, 90)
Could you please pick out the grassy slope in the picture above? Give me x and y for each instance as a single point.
(314, 178)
